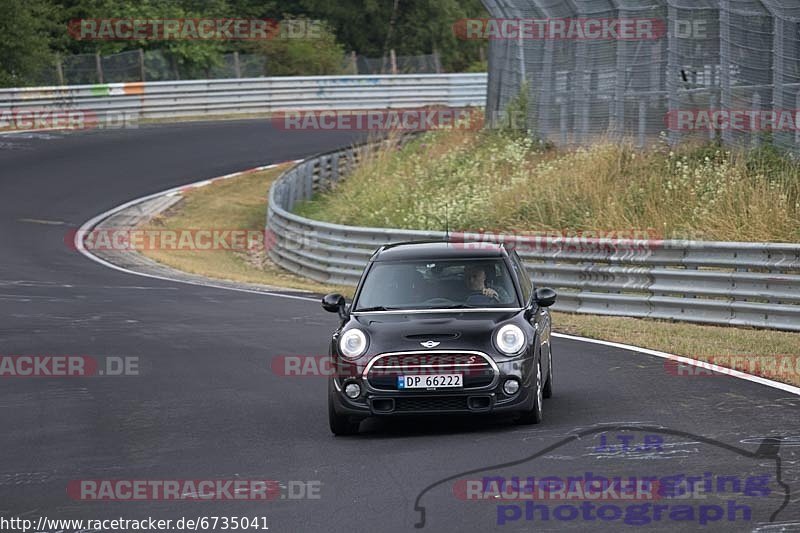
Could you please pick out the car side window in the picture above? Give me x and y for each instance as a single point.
(522, 275)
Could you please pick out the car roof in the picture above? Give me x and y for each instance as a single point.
(439, 250)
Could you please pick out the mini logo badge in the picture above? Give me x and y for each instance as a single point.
(430, 344)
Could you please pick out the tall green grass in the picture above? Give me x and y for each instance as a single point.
(490, 180)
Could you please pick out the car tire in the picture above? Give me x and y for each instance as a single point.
(341, 425)
(547, 391)
(534, 416)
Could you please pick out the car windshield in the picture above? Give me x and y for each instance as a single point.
(432, 284)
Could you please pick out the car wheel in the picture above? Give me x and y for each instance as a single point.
(341, 425)
(547, 392)
(534, 416)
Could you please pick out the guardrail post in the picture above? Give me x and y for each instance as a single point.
(334, 169)
(98, 63)
(797, 127)
(141, 65)
(289, 198)
(59, 71)
(642, 123)
(755, 138)
(712, 130)
(308, 185)
(237, 68)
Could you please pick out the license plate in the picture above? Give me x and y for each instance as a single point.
(433, 381)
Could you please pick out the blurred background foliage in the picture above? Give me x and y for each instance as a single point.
(34, 35)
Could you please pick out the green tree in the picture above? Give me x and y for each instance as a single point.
(317, 55)
(26, 33)
(410, 27)
(194, 56)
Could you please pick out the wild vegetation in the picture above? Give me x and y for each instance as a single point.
(505, 181)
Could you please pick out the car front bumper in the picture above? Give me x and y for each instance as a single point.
(379, 402)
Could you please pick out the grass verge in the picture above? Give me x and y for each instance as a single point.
(770, 354)
(489, 180)
(240, 203)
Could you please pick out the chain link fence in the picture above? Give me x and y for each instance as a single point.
(419, 64)
(159, 65)
(710, 68)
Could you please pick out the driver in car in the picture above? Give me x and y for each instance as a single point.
(475, 279)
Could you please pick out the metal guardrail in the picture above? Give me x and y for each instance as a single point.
(254, 95)
(732, 283)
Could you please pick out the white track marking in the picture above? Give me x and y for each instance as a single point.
(686, 360)
(87, 226)
(176, 190)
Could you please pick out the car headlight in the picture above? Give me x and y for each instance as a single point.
(510, 339)
(353, 343)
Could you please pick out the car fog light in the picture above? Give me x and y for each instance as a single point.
(352, 390)
(511, 387)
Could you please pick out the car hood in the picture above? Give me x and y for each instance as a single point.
(393, 332)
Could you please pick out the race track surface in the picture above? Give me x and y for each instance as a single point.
(207, 404)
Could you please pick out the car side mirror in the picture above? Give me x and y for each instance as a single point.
(544, 296)
(335, 303)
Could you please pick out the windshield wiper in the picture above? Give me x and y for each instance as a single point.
(375, 308)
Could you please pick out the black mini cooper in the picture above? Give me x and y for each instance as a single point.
(440, 327)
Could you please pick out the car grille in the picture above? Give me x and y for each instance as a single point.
(475, 368)
(420, 403)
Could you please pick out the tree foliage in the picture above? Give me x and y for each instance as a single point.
(26, 32)
(422, 27)
(318, 56)
(34, 32)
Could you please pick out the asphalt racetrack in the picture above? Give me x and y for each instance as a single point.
(207, 404)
